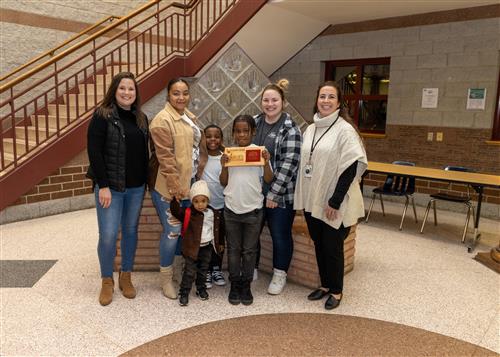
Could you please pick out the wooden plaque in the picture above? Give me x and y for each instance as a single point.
(245, 156)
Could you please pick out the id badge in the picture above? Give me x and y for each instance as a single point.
(308, 169)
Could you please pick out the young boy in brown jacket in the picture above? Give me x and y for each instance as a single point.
(200, 236)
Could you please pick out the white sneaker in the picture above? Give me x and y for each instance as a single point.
(255, 274)
(277, 282)
(208, 280)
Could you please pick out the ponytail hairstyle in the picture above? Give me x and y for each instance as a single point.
(109, 100)
(281, 86)
(343, 110)
(175, 80)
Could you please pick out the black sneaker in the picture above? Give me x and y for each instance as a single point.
(246, 293)
(218, 278)
(202, 294)
(234, 294)
(183, 299)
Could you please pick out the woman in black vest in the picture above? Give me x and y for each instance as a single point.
(117, 145)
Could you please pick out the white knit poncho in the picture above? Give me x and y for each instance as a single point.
(335, 152)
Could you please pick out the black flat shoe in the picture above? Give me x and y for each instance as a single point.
(332, 302)
(317, 294)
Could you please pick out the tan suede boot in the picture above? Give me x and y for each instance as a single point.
(106, 295)
(125, 284)
(166, 283)
(178, 269)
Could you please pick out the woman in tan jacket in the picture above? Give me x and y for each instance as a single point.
(181, 151)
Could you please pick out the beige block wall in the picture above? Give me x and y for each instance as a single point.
(451, 56)
(20, 43)
(87, 10)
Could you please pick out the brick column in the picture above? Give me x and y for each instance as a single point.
(303, 269)
(147, 257)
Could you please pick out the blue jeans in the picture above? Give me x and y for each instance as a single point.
(280, 221)
(123, 212)
(170, 244)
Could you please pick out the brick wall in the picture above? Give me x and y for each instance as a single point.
(303, 269)
(460, 147)
(67, 181)
(490, 195)
(147, 256)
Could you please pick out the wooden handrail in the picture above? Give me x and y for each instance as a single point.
(185, 6)
(84, 42)
(53, 50)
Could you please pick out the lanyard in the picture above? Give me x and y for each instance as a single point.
(313, 144)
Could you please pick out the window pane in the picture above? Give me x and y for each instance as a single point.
(351, 107)
(376, 79)
(346, 78)
(372, 115)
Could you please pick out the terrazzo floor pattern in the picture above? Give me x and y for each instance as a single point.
(426, 281)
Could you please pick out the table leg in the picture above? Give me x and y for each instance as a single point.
(475, 238)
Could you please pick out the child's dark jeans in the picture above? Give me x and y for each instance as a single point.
(196, 269)
(242, 235)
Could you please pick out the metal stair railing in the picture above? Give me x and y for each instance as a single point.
(41, 105)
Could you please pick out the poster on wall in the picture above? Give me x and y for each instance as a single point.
(430, 97)
(476, 98)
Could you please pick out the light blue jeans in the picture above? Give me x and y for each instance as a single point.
(123, 212)
(170, 244)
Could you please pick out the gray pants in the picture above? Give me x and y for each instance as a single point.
(242, 235)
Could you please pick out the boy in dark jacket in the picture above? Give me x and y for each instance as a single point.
(199, 238)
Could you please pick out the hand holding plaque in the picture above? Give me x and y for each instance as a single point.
(245, 156)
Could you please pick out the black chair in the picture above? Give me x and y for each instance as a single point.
(466, 200)
(398, 186)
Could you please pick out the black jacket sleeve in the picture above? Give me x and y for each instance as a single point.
(96, 140)
(343, 184)
(176, 210)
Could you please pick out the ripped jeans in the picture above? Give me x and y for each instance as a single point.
(170, 244)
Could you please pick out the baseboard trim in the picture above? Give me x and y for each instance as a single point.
(46, 208)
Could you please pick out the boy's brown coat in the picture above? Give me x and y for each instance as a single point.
(192, 236)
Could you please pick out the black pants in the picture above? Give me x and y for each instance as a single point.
(242, 233)
(329, 247)
(196, 269)
(216, 260)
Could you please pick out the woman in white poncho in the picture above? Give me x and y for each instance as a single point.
(332, 161)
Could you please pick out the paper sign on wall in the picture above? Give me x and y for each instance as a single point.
(430, 97)
(476, 98)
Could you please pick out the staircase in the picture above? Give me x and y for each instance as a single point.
(44, 112)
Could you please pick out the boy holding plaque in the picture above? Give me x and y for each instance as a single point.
(242, 174)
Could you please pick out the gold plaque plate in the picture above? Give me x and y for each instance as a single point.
(245, 156)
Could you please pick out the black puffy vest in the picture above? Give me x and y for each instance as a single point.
(114, 152)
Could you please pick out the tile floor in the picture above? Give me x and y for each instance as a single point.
(427, 281)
